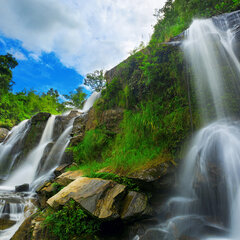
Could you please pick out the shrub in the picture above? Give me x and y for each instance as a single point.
(71, 221)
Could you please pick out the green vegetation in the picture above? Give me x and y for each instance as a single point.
(76, 98)
(57, 187)
(152, 88)
(71, 221)
(23, 105)
(177, 15)
(160, 109)
(95, 80)
(92, 146)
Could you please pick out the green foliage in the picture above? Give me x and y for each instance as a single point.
(57, 187)
(7, 62)
(131, 185)
(76, 98)
(92, 146)
(23, 105)
(177, 15)
(111, 95)
(71, 221)
(95, 80)
(228, 5)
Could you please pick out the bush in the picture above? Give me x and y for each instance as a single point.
(71, 221)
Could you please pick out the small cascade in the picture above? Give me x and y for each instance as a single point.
(30, 165)
(90, 101)
(10, 150)
(14, 209)
(53, 160)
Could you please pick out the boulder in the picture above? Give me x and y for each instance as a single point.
(135, 205)
(152, 173)
(3, 134)
(22, 188)
(65, 178)
(99, 197)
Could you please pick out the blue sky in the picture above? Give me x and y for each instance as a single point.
(57, 42)
(39, 74)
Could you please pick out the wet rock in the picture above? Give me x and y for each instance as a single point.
(99, 197)
(6, 223)
(109, 118)
(73, 114)
(22, 188)
(44, 192)
(139, 227)
(77, 139)
(67, 157)
(60, 169)
(79, 124)
(153, 172)
(3, 134)
(25, 231)
(42, 116)
(154, 234)
(65, 178)
(134, 205)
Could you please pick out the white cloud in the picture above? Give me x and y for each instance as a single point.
(88, 88)
(2, 42)
(17, 54)
(35, 56)
(84, 35)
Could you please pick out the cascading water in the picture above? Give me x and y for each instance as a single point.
(207, 204)
(33, 168)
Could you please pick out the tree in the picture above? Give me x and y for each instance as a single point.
(53, 93)
(95, 80)
(76, 98)
(7, 62)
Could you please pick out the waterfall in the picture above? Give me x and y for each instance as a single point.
(206, 205)
(209, 50)
(30, 165)
(20, 165)
(90, 101)
(211, 173)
